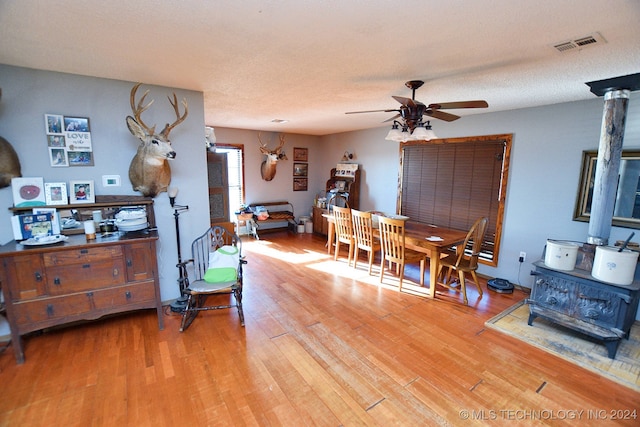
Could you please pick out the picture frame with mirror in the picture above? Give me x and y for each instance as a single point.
(627, 206)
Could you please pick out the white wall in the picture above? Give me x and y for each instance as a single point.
(28, 94)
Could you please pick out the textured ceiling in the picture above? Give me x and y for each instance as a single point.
(309, 62)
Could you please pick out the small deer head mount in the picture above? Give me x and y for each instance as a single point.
(149, 171)
(268, 166)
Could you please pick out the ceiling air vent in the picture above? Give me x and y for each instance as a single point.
(580, 43)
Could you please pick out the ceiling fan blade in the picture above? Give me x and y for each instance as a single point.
(437, 114)
(405, 101)
(460, 104)
(392, 118)
(371, 111)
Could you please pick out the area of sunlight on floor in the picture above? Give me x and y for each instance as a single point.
(321, 261)
(265, 248)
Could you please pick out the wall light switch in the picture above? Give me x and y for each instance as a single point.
(111, 180)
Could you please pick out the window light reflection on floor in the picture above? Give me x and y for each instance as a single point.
(264, 248)
(323, 262)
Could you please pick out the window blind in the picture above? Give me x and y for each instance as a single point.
(452, 185)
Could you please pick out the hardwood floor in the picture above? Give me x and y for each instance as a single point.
(323, 345)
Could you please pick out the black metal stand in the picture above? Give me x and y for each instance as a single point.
(183, 280)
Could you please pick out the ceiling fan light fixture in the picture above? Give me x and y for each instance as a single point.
(394, 134)
(423, 132)
(405, 135)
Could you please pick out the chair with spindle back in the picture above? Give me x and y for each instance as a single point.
(217, 260)
(392, 240)
(364, 238)
(462, 263)
(344, 231)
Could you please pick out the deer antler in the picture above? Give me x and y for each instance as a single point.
(263, 146)
(279, 150)
(179, 118)
(139, 109)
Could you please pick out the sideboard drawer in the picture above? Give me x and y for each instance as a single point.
(81, 256)
(90, 275)
(138, 294)
(51, 309)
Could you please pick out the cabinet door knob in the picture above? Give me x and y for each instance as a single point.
(56, 281)
(129, 263)
(38, 276)
(49, 310)
(127, 294)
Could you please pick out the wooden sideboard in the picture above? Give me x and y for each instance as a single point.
(52, 285)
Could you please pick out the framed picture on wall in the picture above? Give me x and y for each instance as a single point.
(82, 192)
(55, 193)
(53, 124)
(80, 158)
(300, 169)
(300, 154)
(300, 184)
(58, 157)
(55, 141)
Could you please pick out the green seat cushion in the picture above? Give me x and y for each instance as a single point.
(223, 265)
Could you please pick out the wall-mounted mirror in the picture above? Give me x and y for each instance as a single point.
(627, 207)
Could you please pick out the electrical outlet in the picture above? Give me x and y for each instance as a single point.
(523, 256)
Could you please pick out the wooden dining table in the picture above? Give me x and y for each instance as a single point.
(430, 239)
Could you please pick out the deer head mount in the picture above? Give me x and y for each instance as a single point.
(9, 161)
(268, 166)
(149, 171)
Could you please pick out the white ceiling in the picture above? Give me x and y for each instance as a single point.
(309, 62)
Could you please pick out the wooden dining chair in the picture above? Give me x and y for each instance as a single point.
(394, 251)
(364, 238)
(463, 263)
(344, 231)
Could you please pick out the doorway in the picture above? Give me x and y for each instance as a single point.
(226, 182)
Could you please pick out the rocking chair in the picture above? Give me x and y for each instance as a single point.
(217, 261)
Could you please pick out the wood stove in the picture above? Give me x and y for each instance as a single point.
(576, 300)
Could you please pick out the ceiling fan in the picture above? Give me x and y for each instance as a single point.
(412, 112)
